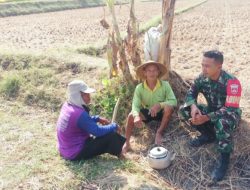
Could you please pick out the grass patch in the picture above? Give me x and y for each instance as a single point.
(29, 153)
(15, 8)
(4, 1)
(43, 98)
(185, 9)
(10, 86)
(28, 139)
(40, 80)
(28, 79)
(8, 62)
(92, 50)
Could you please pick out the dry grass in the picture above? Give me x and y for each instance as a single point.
(28, 152)
(29, 158)
(192, 167)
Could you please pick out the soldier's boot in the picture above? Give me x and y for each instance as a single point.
(201, 140)
(221, 169)
(207, 135)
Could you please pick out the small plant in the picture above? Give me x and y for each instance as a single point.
(10, 86)
(105, 99)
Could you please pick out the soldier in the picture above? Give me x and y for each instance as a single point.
(221, 116)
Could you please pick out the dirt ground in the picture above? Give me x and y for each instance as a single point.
(41, 31)
(71, 27)
(217, 24)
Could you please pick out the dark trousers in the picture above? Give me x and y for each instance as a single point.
(111, 143)
(148, 117)
(205, 129)
(221, 129)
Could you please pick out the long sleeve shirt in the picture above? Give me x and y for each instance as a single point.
(89, 124)
(222, 95)
(144, 97)
(74, 127)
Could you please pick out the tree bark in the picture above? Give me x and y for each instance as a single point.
(167, 22)
(132, 40)
(123, 63)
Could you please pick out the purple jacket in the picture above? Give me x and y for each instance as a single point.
(74, 126)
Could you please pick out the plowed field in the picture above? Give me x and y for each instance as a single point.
(71, 27)
(216, 24)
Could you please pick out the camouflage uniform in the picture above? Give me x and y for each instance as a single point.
(222, 108)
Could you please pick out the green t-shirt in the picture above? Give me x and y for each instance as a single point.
(144, 97)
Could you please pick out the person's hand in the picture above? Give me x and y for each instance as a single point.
(118, 130)
(200, 119)
(195, 112)
(104, 121)
(154, 110)
(138, 121)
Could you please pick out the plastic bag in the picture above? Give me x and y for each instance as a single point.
(152, 44)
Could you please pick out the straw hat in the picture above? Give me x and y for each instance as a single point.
(141, 68)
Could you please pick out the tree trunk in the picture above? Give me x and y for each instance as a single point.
(112, 50)
(123, 63)
(167, 22)
(132, 40)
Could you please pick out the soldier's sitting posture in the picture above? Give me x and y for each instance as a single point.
(220, 117)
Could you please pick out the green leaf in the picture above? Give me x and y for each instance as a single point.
(105, 82)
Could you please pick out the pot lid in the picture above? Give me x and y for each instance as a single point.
(158, 152)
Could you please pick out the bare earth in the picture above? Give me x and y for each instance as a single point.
(71, 27)
(79, 26)
(217, 24)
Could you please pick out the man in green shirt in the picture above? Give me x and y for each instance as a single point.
(153, 100)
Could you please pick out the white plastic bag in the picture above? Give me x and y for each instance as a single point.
(152, 44)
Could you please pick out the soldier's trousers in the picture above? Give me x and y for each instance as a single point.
(221, 129)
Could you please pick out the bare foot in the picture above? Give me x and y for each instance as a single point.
(158, 139)
(122, 156)
(126, 147)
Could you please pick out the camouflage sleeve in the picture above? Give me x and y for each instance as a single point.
(232, 101)
(191, 97)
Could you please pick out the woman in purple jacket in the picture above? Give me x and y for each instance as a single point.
(81, 136)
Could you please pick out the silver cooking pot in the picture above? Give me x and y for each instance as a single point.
(160, 158)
